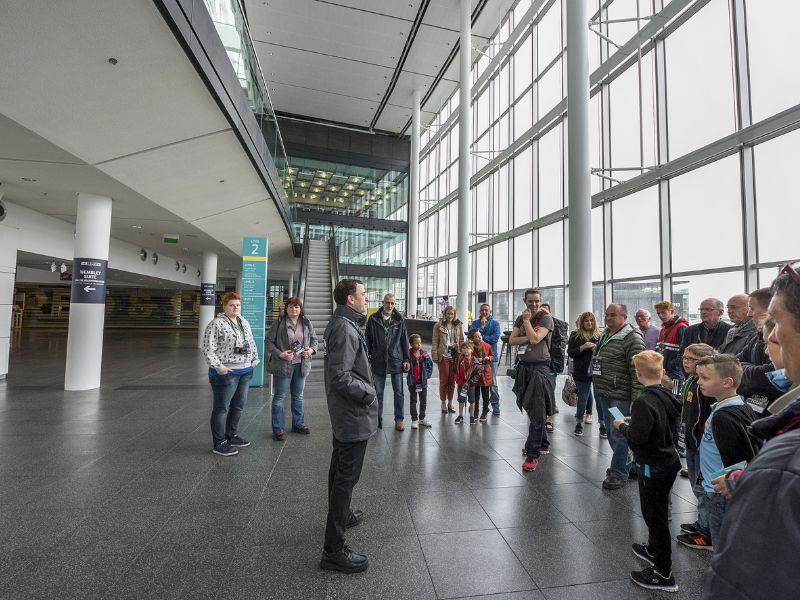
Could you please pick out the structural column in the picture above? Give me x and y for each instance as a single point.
(208, 294)
(464, 157)
(413, 211)
(88, 300)
(8, 262)
(291, 284)
(578, 173)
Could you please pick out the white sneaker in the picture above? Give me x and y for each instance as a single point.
(587, 419)
(424, 423)
(414, 424)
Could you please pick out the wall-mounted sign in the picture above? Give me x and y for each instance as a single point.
(207, 294)
(89, 281)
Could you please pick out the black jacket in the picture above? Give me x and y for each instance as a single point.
(695, 412)
(730, 428)
(756, 388)
(581, 359)
(698, 334)
(558, 341)
(387, 352)
(349, 385)
(756, 554)
(651, 432)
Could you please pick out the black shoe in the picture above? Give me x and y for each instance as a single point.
(603, 432)
(345, 560)
(690, 528)
(472, 420)
(641, 551)
(224, 449)
(653, 580)
(612, 483)
(278, 436)
(355, 518)
(578, 429)
(238, 442)
(459, 420)
(549, 428)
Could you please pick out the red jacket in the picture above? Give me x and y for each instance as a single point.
(487, 368)
(468, 371)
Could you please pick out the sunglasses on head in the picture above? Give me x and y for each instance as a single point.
(791, 269)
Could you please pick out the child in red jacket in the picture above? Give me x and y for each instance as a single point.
(469, 371)
(483, 352)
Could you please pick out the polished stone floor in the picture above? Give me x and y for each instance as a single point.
(114, 493)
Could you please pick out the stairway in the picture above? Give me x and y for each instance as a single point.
(318, 304)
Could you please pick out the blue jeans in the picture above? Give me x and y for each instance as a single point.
(693, 466)
(621, 460)
(585, 396)
(713, 509)
(397, 388)
(230, 394)
(494, 394)
(281, 386)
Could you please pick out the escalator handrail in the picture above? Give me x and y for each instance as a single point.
(301, 285)
(333, 254)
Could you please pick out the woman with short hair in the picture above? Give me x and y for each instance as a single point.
(231, 354)
(290, 344)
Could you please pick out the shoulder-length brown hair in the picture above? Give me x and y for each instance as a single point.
(294, 301)
(455, 315)
(581, 333)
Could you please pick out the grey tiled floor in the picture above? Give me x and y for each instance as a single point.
(114, 493)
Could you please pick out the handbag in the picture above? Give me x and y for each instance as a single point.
(570, 392)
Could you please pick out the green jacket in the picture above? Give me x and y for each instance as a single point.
(618, 375)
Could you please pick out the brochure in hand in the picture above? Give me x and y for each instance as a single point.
(616, 413)
(723, 471)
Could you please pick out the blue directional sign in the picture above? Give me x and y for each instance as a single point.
(254, 295)
(89, 281)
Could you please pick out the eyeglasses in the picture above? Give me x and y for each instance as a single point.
(690, 359)
(791, 269)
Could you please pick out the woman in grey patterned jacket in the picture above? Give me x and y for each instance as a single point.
(231, 354)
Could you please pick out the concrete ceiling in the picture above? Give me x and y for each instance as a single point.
(144, 131)
(340, 60)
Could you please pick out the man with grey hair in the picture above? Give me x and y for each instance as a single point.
(616, 386)
(648, 330)
(389, 354)
(711, 329)
(741, 334)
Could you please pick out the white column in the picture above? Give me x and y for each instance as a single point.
(87, 305)
(291, 284)
(579, 184)
(8, 268)
(464, 158)
(239, 282)
(208, 294)
(413, 211)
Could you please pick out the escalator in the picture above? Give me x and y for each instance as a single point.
(319, 274)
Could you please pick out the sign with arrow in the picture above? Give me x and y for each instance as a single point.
(89, 281)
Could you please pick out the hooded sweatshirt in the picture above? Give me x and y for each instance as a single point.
(650, 434)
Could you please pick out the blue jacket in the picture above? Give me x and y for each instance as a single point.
(490, 334)
(427, 369)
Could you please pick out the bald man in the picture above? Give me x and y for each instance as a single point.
(743, 331)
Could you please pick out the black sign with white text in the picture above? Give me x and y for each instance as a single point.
(89, 281)
(207, 294)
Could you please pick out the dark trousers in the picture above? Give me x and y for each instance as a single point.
(654, 500)
(537, 439)
(484, 393)
(230, 395)
(346, 462)
(423, 403)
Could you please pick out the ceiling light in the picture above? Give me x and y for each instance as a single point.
(349, 187)
(136, 226)
(320, 182)
(323, 174)
(112, 61)
(333, 188)
(313, 196)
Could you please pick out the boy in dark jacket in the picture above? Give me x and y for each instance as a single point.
(725, 439)
(417, 380)
(469, 371)
(650, 434)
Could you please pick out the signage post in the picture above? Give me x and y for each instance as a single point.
(254, 296)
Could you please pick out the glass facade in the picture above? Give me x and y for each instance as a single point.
(658, 231)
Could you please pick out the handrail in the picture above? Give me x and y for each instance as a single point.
(333, 254)
(301, 284)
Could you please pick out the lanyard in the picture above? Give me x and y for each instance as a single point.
(603, 342)
(240, 326)
(294, 329)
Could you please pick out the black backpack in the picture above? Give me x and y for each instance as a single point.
(558, 342)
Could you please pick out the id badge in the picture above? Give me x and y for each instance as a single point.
(758, 403)
(596, 366)
(418, 388)
(522, 349)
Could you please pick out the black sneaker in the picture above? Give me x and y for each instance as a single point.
(690, 528)
(641, 551)
(238, 442)
(472, 420)
(355, 518)
(345, 560)
(698, 541)
(225, 449)
(578, 429)
(653, 580)
(459, 420)
(549, 427)
(484, 417)
(603, 432)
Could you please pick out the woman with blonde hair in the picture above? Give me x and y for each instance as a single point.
(580, 346)
(448, 333)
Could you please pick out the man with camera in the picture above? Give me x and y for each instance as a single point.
(387, 342)
(353, 409)
(532, 332)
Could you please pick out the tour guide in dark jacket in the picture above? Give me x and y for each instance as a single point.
(353, 408)
(615, 384)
